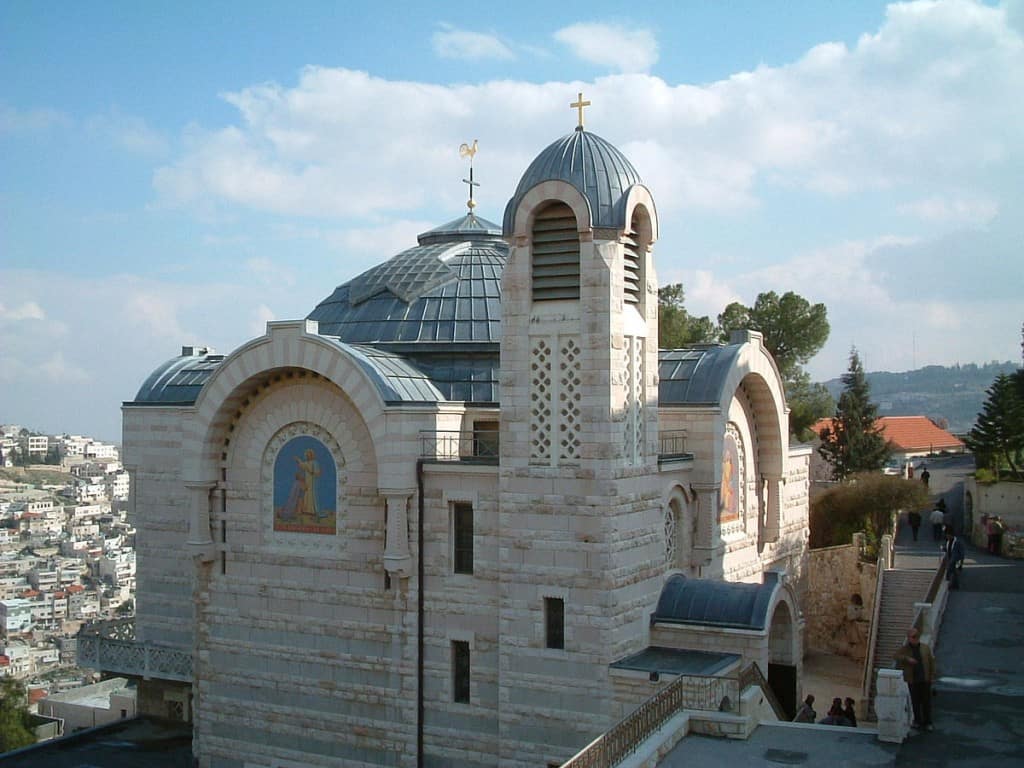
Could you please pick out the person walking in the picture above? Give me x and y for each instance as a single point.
(914, 518)
(937, 520)
(955, 552)
(925, 475)
(917, 662)
(995, 534)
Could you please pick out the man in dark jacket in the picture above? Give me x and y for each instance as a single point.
(918, 664)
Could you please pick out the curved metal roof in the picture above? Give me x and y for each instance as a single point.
(722, 603)
(694, 376)
(179, 380)
(468, 227)
(597, 169)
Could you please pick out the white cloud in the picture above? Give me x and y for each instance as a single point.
(957, 210)
(129, 132)
(30, 121)
(611, 45)
(453, 43)
(27, 310)
(260, 317)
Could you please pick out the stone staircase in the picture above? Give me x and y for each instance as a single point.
(901, 588)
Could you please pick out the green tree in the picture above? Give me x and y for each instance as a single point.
(854, 443)
(868, 503)
(998, 434)
(793, 328)
(676, 327)
(15, 730)
(794, 331)
(808, 402)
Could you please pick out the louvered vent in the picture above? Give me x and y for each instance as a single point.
(632, 249)
(556, 254)
(631, 269)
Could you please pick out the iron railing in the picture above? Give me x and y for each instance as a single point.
(752, 675)
(699, 692)
(110, 646)
(482, 446)
(672, 444)
(473, 445)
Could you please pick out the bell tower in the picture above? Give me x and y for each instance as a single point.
(580, 526)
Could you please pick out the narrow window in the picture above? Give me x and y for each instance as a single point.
(460, 671)
(554, 622)
(462, 537)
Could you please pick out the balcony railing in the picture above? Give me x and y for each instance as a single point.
(672, 444)
(110, 646)
(476, 445)
(481, 445)
(695, 692)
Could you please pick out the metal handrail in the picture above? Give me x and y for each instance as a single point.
(474, 445)
(712, 694)
(672, 443)
(752, 675)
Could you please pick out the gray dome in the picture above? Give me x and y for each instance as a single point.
(597, 169)
(438, 304)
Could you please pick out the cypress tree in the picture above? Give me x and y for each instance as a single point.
(854, 443)
(999, 431)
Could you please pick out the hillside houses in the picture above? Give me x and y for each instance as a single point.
(66, 553)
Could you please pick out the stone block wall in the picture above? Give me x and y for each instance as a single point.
(159, 507)
(836, 621)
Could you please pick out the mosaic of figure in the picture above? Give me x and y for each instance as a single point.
(305, 487)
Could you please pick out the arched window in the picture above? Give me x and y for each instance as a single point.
(556, 253)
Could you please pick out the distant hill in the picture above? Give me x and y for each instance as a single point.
(955, 393)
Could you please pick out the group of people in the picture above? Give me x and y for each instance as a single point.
(939, 519)
(840, 713)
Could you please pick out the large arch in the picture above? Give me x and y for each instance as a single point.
(287, 346)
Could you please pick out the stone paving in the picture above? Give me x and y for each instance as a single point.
(979, 704)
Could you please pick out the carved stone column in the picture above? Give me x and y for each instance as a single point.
(397, 559)
(199, 542)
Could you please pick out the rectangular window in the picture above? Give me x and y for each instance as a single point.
(462, 537)
(460, 671)
(485, 439)
(554, 622)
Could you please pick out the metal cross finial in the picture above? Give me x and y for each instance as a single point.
(467, 151)
(579, 105)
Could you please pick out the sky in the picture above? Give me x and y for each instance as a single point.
(181, 173)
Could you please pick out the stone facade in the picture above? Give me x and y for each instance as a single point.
(840, 600)
(345, 628)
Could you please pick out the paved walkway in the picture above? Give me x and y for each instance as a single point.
(979, 705)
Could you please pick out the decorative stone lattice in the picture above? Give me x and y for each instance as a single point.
(299, 541)
(540, 402)
(633, 406)
(569, 401)
(670, 536)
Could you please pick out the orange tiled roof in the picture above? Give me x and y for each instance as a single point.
(909, 433)
(917, 433)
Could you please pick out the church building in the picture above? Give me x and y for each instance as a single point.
(465, 512)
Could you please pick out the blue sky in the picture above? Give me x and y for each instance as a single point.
(183, 173)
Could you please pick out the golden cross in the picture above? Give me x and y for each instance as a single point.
(579, 105)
